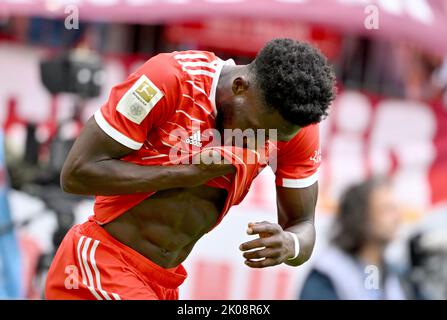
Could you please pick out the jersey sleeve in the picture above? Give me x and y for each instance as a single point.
(144, 100)
(298, 160)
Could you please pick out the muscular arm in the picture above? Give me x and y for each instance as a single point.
(93, 167)
(296, 211)
(296, 208)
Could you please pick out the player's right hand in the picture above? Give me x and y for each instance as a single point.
(210, 164)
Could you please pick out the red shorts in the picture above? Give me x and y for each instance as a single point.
(91, 264)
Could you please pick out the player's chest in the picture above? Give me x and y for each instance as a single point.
(190, 128)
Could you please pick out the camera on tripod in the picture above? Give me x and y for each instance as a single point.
(78, 71)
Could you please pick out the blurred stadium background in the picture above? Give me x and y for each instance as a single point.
(390, 118)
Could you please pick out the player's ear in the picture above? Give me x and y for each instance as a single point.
(240, 85)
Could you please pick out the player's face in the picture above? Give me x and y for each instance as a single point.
(248, 111)
(384, 215)
(272, 120)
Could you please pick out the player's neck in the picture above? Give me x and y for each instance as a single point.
(222, 95)
(225, 105)
(225, 82)
(223, 85)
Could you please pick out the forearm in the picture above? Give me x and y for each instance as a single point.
(305, 232)
(93, 167)
(111, 177)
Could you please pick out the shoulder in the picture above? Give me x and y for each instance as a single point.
(305, 136)
(305, 144)
(162, 67)
(194, 55)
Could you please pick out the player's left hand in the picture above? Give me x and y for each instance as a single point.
(274, 245)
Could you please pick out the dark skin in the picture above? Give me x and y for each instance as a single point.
(166, 226)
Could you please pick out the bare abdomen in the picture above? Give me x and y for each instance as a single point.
(165, 227)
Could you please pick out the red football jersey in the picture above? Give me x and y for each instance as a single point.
(166, 111)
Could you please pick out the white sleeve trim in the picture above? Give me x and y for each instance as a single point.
(115, 134)
(300, 183)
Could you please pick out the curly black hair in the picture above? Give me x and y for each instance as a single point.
(295, 79)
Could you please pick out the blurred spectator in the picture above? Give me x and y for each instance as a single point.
(10, 260)
(439, 80)
(367, 221)
(427, 272)
(419, 74)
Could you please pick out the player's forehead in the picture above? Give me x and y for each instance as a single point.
(272, 120)
(269, 118)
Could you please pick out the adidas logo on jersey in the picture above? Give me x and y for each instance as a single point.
(195, 139)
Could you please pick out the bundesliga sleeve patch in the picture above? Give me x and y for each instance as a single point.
(139, 100)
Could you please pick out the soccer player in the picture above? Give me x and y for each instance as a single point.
(150, 209)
